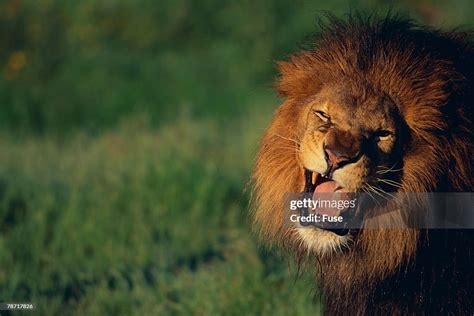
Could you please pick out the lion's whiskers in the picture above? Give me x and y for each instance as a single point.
(288, 148)
(390, 182)
(379, 191)
(297, 142)
(384, 170)
(369, 192)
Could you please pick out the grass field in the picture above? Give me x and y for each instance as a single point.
(131, 222)
(127, 134)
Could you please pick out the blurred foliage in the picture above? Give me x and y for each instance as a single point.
(127, 134)
(87, 230)
(87, 64)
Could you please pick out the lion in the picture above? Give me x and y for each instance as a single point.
(374, 104)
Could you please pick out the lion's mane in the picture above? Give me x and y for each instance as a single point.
(430, 76)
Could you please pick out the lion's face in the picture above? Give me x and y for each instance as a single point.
(351, 143)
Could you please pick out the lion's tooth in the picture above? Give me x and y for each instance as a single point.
(314, 177)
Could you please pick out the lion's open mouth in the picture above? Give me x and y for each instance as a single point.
(319, 186)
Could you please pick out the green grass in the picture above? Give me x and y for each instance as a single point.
(127, 134)
(131, 222)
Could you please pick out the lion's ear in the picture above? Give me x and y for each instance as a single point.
(298, 76)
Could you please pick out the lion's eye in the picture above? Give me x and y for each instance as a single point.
(383, 135)
(323, 116)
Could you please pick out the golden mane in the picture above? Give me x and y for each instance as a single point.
(430, 75)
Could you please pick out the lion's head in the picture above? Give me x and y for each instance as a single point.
(374, 106)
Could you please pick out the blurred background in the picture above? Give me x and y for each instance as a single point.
(127, 134)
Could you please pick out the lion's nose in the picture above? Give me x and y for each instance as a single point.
(341, 148)
(337, 159)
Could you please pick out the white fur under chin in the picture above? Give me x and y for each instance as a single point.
(322, 242)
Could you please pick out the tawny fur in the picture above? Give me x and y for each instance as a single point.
(429, 74)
